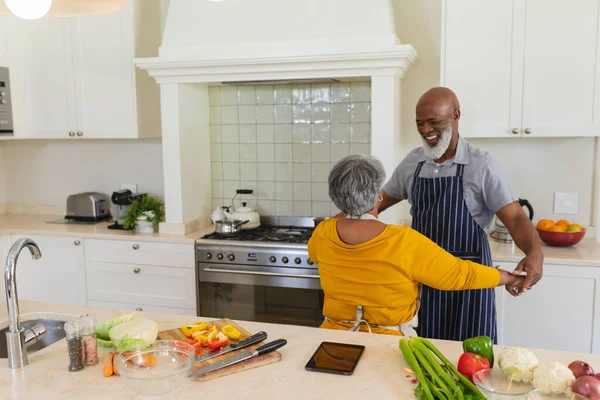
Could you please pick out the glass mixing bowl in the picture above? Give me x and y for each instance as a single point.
(495, 386)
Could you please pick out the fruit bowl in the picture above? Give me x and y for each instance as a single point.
(560, 239)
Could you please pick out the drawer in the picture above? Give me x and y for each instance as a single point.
(141, 284)
(138, 307)
(139, 252)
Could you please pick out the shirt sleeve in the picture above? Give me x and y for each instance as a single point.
(496, 190)
(396, 186)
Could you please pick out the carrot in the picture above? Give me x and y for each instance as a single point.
(115, 370)
(141, 361)
(107, 365)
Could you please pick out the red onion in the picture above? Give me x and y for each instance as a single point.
(581, 368)
(597, 376)
(588, 387)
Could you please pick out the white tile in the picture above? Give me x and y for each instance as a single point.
(215, 133)
(229, 95)
(231, 171)
(229, 115)
(320, 191)
(264, 94)
(340, 132)
(248, 152)
(230, 134)
(302, 172)
(321, 133)
(333, 209)
(283, 152)
(301, 152)
(320, 152)
(264, 133)
(340, 113)
(301, 94)
(360, 92)
(283, 133)
(320, 172)
(266, 207)
(247, 114)
(229, 188)
(266, 152)
(247, 133)
(216, 152)
(321, 113)
(216, 171)
(340, 93)
(264, 114)
(284, 172)
(283, 94)
(266, 190)
(360, 148)
(217, 203)
(301, 133)
(215, 115)
(283, 114)
(321, 209)
(339, 151)
(266, 172)
(284, 191)
(250, 199)
(360, 112)
(247, 95)
(248, 171)
(320, 93)
(214, 96)
(302, 191)
(217, 189)
(301, 113)
(231, 152)
(302, 209)
(360, 132)
(284, 208)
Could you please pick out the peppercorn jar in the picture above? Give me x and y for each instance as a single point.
(74, 344)
(88, 336)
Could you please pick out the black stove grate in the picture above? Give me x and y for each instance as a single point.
(281, 234)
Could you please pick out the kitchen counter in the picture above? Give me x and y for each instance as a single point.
(379, 373)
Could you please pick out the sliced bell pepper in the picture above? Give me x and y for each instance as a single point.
(213, 334)
(481, 345)
(191, 328)
(231, 332)
(197, 346)
(219, 341)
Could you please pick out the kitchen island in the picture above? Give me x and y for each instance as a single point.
(379, 374)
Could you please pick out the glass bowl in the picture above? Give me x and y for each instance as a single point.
(158, 368)
(494, 385)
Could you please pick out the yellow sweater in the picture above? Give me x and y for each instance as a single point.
(383, 274)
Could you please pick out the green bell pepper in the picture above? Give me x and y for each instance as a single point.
(481, 345)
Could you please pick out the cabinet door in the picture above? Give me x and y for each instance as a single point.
(44, 58)
(481, 63)
(561, 91)
(105, 88)
(57, 277)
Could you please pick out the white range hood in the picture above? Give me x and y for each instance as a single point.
(207, 42)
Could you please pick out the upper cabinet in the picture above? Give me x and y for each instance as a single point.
(523, 67)
(76, 79)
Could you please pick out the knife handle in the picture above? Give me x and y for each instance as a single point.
(269, 347)
(249, 341)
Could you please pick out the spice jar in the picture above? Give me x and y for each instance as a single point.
(74, 344)
(88, 336)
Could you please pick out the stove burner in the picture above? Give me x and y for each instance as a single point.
(282, 234)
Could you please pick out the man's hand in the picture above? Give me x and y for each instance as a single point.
(533, 265)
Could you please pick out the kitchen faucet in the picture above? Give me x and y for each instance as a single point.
(15, 337)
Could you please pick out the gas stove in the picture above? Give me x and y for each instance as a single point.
(275, 234)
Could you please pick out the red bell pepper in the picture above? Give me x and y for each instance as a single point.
(470, 363)
(218, 342)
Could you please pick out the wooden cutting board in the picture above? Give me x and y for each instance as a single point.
(274, 356)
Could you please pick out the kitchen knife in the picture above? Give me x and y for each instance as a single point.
(244, 355)
(249, 341)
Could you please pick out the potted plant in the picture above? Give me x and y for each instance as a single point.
(145, 214)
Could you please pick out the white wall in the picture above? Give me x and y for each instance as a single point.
(536, 167)
(3, 187)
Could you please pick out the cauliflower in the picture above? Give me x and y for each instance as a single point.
(553, 378)
(518, 364)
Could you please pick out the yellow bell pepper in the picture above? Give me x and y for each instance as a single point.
(195, 327)
(231, 332)
(213, 334)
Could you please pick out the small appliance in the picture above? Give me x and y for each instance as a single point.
(88, 206)
(121, 201)
(500, 233)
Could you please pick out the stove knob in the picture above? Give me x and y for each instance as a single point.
(310, 262)
(272, 259)
(297, 260)
(219, 256)
(208, 256)
(285, 260)
(230, 257)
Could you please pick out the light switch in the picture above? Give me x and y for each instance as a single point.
(566, 203)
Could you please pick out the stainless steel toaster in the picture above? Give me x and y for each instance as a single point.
(89, 206)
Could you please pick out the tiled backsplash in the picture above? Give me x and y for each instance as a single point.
(281, 141)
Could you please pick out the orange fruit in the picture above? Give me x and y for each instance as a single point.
(563, 222)
(575, 228)
(545, 224)
(559, 228)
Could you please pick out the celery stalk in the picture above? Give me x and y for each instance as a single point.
(422, 390)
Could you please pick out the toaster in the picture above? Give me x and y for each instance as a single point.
(89, 206)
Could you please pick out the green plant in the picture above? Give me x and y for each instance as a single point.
(141, 205)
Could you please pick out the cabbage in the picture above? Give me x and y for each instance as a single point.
(103, 328)
(133, 334)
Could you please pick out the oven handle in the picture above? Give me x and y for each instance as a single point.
(231, 271)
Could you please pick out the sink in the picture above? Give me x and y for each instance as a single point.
(54, 329)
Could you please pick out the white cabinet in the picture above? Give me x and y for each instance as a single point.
(523, 67)
(561, 312)
(57, 277)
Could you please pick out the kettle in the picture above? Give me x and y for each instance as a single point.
(500, 233)
(244, 213)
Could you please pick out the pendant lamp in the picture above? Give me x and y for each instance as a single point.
(34, 9)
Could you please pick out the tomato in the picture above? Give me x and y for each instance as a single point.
(470, 363)
(218, 342)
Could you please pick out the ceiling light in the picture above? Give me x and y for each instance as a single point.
(63, 8)
(29, 9)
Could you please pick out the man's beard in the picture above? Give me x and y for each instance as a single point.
(436, 152)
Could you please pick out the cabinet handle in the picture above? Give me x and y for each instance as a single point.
(71, 134)
(77, 242)
(79, 133)
(139, 309)
(136, 246)
(528, 130)
(136, 270)
(516, 131)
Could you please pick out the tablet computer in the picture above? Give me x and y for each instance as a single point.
(335, 358)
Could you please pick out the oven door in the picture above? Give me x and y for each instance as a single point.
(260, 293)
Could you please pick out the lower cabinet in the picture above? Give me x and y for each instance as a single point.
(137, 307)
(561, 312)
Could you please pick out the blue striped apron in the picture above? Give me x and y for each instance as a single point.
(440, 213)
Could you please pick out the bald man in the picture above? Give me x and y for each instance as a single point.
(454, 190)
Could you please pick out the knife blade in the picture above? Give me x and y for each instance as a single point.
(249, 341)
(244, 355)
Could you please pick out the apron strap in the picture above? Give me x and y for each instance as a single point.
(460, 168)
(418, 170)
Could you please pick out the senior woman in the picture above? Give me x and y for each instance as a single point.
(371, 272)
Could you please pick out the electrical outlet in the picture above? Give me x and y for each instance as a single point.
(566, 203)
(130, 186)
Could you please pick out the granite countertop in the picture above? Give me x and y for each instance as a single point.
(379, 373)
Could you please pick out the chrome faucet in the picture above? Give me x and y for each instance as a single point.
(15, 337)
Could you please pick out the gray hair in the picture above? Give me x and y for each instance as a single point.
(355, 183)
